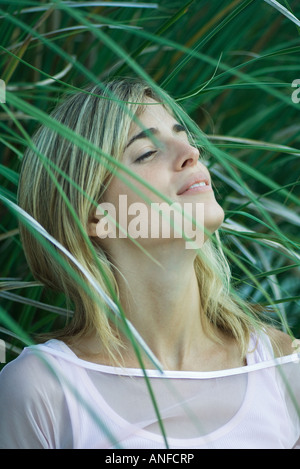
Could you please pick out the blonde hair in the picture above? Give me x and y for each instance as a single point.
(59, 178)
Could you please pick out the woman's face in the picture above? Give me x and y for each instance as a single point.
(167, 162)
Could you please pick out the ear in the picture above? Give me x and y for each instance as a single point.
(92, 228)
(101, 227)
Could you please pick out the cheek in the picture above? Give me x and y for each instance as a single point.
(135, 189)
(159, 177)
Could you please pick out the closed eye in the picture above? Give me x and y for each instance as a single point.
(145, 156)
(177, 128)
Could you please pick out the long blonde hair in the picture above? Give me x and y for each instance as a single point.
(61, 183)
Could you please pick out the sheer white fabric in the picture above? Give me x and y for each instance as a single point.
(52, 399)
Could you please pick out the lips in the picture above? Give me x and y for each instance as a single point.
(194, 179)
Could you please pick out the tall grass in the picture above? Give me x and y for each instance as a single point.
(230, 64)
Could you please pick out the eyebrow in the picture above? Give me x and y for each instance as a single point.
(152, 131)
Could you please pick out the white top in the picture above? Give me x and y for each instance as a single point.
(49, 398)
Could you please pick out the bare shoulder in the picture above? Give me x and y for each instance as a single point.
(282, 343)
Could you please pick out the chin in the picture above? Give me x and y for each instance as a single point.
(213, 218)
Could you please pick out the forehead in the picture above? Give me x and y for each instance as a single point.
(151, 114)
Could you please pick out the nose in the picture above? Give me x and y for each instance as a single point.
(186, 155)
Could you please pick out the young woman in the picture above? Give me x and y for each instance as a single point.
(222, 372)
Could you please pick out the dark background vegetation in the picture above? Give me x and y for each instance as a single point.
(230, 64)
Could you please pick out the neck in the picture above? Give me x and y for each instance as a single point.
(163, 304)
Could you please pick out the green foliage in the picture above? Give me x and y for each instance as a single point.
(230, 64)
